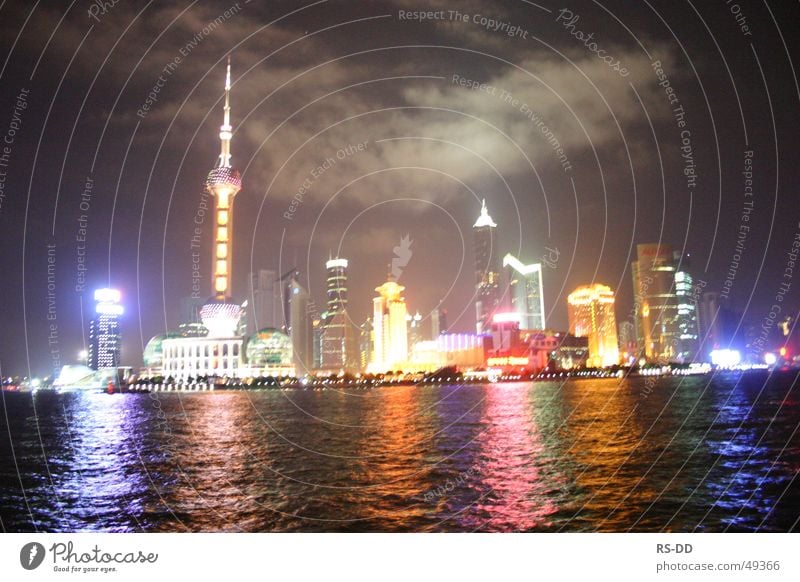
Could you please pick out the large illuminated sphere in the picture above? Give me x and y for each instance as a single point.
(153, 355)
(224, 177)
(269, 347)
(220, 317)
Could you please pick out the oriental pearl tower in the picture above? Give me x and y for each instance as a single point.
(220, 315)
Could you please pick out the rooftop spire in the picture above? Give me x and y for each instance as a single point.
(225, 130)
(484, 219)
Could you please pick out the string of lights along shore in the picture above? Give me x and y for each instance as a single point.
(276, 331)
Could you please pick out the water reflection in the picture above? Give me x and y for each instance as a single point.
(512, 468)
(591, 455)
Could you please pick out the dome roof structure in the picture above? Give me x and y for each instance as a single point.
(268, 348)
(154, 350)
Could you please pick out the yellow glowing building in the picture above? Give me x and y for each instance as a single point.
(389, 327)
(591, 315)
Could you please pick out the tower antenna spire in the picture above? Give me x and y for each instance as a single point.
(226, 130)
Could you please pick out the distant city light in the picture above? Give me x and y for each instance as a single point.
(507, 361)
(107, 295)
(334, 263)
(725, 358)
(109, 309)
(507, 317)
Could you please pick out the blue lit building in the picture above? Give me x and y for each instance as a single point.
(105, 341)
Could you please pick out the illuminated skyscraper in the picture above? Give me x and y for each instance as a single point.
(591, 315)
(657, 331)
(105, 342)
(389, 328)
(527, 295)
(366, 343)
(487, 271)
(338, 337)
(220, 315)
(687, 316)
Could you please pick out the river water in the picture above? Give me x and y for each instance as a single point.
(691, 454)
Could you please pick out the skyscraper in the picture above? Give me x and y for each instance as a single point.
(414, 329)
(105, 342)
(436, 325)
(657, 331)
(687, 316)
(338, 338)
(264, 296)
(366, 341)
(527, 295)
(389, 325)
(487, 271)
(299, 327)
(591, 315)
(189, 324)
(718, 323)
(626, 334)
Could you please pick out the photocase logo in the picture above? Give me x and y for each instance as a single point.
(31, 555)
(402, 254)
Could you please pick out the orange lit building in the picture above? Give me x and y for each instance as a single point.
(591, 315)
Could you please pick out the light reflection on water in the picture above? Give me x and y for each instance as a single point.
(580, 456)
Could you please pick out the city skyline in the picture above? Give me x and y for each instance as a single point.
(127, 207)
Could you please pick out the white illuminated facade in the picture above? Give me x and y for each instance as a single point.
(202, 356)
(461, 350)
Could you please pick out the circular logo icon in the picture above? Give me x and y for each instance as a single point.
(31, 555)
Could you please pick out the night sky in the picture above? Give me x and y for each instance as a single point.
(85, 148)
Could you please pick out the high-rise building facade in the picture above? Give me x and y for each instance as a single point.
(414, 330)
(299, 328)
(366, 343)
(487, 271)
(657, 330)
(688, 338)
(189, 323)
(105, 341)
(626, 334)
(527, 294)
(718, 323)
(264, 298)
(591, 315)
(389, 328)
(338, 335)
